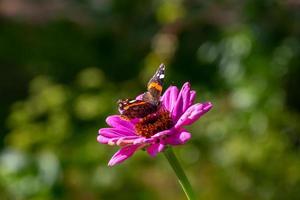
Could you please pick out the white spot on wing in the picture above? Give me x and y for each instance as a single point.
(132, 101)
(161, 76)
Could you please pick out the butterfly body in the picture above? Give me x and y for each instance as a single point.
(150, 102)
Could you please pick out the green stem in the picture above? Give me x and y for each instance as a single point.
(184, 182)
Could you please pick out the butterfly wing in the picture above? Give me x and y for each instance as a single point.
(130, 109)
(154, 86)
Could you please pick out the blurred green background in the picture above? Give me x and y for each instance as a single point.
(64, 64)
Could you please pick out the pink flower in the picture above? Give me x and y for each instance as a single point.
(156, 131)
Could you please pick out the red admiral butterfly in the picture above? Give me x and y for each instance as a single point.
(132, 108)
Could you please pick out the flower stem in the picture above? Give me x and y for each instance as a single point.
(184, 182)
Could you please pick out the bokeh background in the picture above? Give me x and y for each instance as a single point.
(64, 64)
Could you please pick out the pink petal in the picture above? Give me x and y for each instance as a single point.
(192, 97)
(115, 132)
(116, 122)
(169, 97)
(162, 133)
(179, 138)
(193, 113)
(139, 97)
(186, 96)
(127, 140)
(102, 139)
(182, 102)
(154, 149)
(121, 141)
(123, 154)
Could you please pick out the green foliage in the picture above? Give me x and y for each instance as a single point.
(63, 72)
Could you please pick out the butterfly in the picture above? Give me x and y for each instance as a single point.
(150, 102)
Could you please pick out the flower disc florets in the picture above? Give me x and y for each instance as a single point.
(154, 123)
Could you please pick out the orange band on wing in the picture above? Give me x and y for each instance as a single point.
(155, 85)
(134, 104)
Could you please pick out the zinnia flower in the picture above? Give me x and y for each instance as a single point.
(157, 130)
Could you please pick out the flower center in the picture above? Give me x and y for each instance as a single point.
(154, 123)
